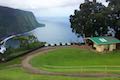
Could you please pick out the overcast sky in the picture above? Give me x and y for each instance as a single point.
(46, 8)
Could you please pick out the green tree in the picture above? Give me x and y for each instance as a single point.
(113, 2)
(89, 19)
(94, 19)
(113, 11)
(24, 41)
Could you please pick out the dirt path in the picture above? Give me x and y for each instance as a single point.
(29, 68)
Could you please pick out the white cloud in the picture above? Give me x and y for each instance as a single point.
(56, 12)
(33, 4)
(46, 7)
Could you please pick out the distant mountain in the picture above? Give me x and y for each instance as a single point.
(15, 21)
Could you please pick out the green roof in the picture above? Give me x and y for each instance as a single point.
(104, 40)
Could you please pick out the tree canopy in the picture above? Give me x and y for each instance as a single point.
(94, 19)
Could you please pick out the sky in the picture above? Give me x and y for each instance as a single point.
(46, 8)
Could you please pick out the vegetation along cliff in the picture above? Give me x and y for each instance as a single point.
(14, 21)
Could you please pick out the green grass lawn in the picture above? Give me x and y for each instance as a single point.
(18, 73)
(6, 65)
(77, 60)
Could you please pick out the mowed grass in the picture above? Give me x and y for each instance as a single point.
(11, 63)
(18, 73)
(77, 60)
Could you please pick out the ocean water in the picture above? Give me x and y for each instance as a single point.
(56, 30)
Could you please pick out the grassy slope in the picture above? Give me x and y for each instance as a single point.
(10, 63)
(73, 59)
(20, 74)
(17, 73)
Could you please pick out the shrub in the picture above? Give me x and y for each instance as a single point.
(55, 44)
(60, 44)
(31, 44)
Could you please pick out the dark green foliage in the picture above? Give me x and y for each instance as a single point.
(113, 2)
(93, 18)
(14, 21)
(89, 19)
(27, 43)
(113, 12)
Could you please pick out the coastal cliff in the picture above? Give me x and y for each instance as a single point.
(15, 21)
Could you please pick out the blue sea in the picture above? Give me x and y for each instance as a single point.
(56, 30)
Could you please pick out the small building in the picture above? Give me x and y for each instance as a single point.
(102, 44)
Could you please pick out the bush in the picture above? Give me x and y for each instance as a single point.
(60, 44)
(49, 44)
(55, 44)
(66, 44)
(32, 44)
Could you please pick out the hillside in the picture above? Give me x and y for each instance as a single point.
(14, 21)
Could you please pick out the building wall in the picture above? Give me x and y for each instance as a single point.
(112, 47)
(102, 48)
(106, 47)
(99, 48)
